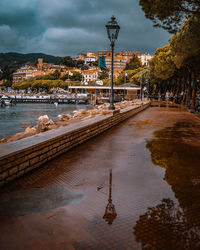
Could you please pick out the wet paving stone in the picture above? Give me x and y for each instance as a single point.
(136, 186)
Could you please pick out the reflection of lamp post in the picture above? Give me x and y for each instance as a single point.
(110, 213)
(113, 30)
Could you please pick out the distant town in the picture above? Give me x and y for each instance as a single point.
(89, 65)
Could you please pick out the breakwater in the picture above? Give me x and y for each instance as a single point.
(20, 157)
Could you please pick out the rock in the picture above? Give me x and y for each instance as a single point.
(94, 112)
(30, 130)
(80, 113)
(44, 119)
(25, 124)
(65, 117)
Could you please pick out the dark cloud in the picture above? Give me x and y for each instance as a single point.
(67, 27)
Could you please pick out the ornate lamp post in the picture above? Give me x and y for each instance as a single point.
(113, 30)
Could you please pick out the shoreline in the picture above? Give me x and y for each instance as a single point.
(64, 119)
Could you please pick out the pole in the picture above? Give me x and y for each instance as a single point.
(112, 107)
(141, 88)
(110, 187)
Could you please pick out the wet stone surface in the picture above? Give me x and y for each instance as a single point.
(136, 186)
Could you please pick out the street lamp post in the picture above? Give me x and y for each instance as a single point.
(149, 72)
(141, 79)
(112, 30)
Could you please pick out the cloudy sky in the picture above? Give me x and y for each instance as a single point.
(67, 27)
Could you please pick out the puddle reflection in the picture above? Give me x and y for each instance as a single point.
(110, 212)
(169, 225)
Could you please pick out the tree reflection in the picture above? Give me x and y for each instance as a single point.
(169, 226)
(165, 227)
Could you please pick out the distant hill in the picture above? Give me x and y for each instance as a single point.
(14, 60)
(10, 62)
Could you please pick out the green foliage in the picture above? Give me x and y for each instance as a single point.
(162, 65)
(69, 62)
(108, 82)
(185, 44)
(103, 75)
(169, 14)
(43, 84)
(134, 63)
(133, 76)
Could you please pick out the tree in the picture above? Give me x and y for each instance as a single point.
(134, 63)
(68, 61)
(170, 14)
(185, 46)
(103, 75)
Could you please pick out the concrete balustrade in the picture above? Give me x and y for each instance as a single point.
(20, 157)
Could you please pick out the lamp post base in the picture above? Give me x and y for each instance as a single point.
(112, 106)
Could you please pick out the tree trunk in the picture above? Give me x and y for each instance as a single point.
(187, 103)
(193, 90)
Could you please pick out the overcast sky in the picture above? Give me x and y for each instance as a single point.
(67, 27)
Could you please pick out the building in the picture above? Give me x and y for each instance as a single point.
(145, 58)
(90, 75)
(81, 56)
(128, 55)
(118, 62)
(90, 57)
(24, 73)
(42, 68)
(126, 92)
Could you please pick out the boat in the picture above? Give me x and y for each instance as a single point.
(6, 102)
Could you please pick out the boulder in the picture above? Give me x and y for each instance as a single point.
(30, 130)
(65, 117)
(43, 119)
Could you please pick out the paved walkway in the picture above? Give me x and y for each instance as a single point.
(136, 185)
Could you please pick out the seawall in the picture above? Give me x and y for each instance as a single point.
(19, 157)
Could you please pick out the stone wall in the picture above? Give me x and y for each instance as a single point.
(18, 158)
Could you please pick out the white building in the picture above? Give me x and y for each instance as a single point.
(90, 75)
(90, 57)
(145, 58)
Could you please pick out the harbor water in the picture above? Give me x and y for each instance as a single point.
(14, 119)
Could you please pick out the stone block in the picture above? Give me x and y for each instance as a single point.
(23, 165)
(13, 170)
(5, 167)
(11, 178)
(20, 173)
(3, 175)
(6, 160)
(34, 160)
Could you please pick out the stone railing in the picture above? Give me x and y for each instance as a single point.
(19, 157)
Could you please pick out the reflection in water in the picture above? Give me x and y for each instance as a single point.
(110, 213)
(166, 227)
(169, 226)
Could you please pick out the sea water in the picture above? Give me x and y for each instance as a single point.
(14, 119)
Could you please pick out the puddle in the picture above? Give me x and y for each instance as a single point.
(169, 225)
(35, 200)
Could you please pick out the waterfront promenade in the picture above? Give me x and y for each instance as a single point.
(145, 169)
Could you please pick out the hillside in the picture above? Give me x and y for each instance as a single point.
(10, 62)
(12, 59)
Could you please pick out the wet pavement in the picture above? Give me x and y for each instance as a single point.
(136, 186)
